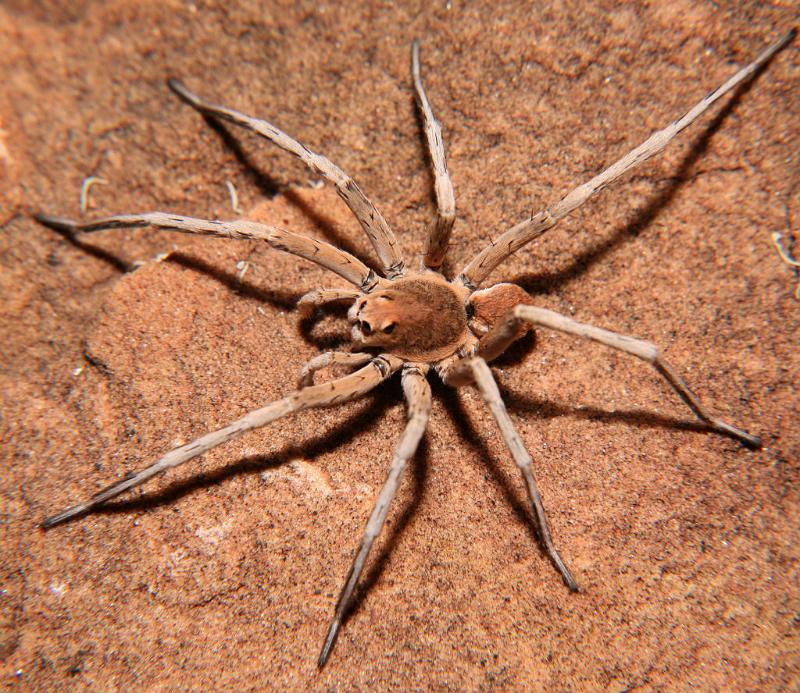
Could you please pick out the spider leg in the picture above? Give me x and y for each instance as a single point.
(418, 396)
(439, 234)
(324, 395)
(641, 349)
(368, 216)
(324, 254)
(491, 394)
(319, 297)
(330, 358)
(516, 237)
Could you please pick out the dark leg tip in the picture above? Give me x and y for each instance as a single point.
(747, 439)
(182, 91)
(175, 84)
(49, 522)
(64, 515)
(330, 639)
(56, 223)
(752, 443)
(571, 584)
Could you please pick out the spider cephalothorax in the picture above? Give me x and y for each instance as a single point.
(410, 321)
(420, 317)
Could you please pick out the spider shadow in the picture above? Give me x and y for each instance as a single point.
(284, 300)
(329, 340)
(549, 282)
(270, 188)
(266, 185)
(375, 406)
(469, 435)
(115, 261)
(280, 299)
(518, 352)
(419, 473)
(544, 409)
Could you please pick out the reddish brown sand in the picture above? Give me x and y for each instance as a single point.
(223, 574)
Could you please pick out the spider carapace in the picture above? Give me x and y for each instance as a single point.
(417, 318)
(412, 321)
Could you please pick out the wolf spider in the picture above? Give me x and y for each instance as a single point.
(412, 320)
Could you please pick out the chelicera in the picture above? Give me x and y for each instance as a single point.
(409, 320)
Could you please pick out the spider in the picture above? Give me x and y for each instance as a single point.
(412, 320)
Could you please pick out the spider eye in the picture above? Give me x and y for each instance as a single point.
(366, 328)
(389, 328)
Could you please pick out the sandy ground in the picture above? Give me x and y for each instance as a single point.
(223, 574)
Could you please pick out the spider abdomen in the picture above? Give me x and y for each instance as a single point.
(490, 306)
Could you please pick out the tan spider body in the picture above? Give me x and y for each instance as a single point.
(420, 317)
(412, 321)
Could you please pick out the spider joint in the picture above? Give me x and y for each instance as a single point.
(396, 270)
(466, 282)
(420, 369)
(370, 282)
(383, 366)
